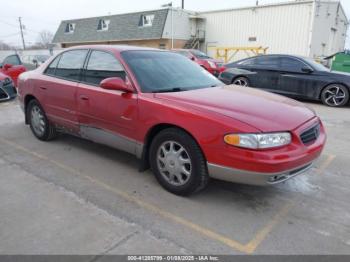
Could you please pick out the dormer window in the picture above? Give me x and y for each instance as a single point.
(70, 27)
(146, 20)
(103, 25)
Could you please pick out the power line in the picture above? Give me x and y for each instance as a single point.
(6, 23)
(5, 36)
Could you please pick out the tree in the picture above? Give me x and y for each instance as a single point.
(4, 46)
(44, 39)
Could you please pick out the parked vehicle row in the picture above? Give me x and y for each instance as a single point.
(292, 76)
(176, 117)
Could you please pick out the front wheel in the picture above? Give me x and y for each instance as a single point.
(39, 124)
(335, 95)
(178, 162)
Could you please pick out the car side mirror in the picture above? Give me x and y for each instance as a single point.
(116, 83)
(307, 70)
(7, 66)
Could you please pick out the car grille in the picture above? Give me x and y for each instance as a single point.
(311, 135)
(6, 89)
(3, 94)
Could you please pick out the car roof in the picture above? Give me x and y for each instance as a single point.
(277, 55)
(118, 48)
(274, 55)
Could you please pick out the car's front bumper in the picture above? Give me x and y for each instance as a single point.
(7, 92)
(254, 178)
(267, 166)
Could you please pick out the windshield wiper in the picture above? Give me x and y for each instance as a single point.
(170, 90)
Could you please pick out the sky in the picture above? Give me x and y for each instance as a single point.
(38, 15)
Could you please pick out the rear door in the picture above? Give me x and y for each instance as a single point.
(58, 88)
(106, 116)
(267, 72)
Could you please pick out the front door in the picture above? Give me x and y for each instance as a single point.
(106, 116)
(294, 81)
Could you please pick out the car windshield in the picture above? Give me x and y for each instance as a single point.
(315, 65)
(200, 54)
(159, 71)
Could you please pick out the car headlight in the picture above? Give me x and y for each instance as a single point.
(258, 141)
(212, 64)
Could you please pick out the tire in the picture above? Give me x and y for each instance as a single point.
(39, 124)
(241, 81)
(176, 151)
(335, 95)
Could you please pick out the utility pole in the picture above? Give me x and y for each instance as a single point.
(21, 28)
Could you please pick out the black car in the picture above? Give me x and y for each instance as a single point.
(292, 76)
(7, 88)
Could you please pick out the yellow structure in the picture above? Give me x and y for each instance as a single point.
(228, 53)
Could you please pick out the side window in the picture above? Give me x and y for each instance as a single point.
(102, 65)
(50, 70)
(71, 64)
(12, 60)
(268, 62)
(291, 65)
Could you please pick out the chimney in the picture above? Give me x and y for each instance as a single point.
(183, 4)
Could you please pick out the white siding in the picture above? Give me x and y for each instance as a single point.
(282, 28)
(330, 28)
(182, 25)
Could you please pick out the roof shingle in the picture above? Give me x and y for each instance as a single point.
(122, 27)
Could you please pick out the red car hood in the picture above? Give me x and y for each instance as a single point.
(262, 110)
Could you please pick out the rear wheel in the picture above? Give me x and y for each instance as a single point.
(335, 95)
(178, 163)
(241, 81)
(39, 123)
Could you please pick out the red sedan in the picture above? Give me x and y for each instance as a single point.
(12, 67)
(212, 65)
(173, 115)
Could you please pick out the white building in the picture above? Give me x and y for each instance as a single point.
(306, 28)
(311, 28)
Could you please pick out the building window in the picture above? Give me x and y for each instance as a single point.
(146, 20)
(162, 46)
(103, 25)
(70, 27)
(252, 39)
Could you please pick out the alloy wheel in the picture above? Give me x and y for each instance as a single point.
(241, 81)
(335, 96)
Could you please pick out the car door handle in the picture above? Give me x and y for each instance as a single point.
(43, 87)
(85, 98)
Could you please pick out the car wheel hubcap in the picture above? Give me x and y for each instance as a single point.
(241, 82)
(174, 163)
(38, 121)
(335, 96)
